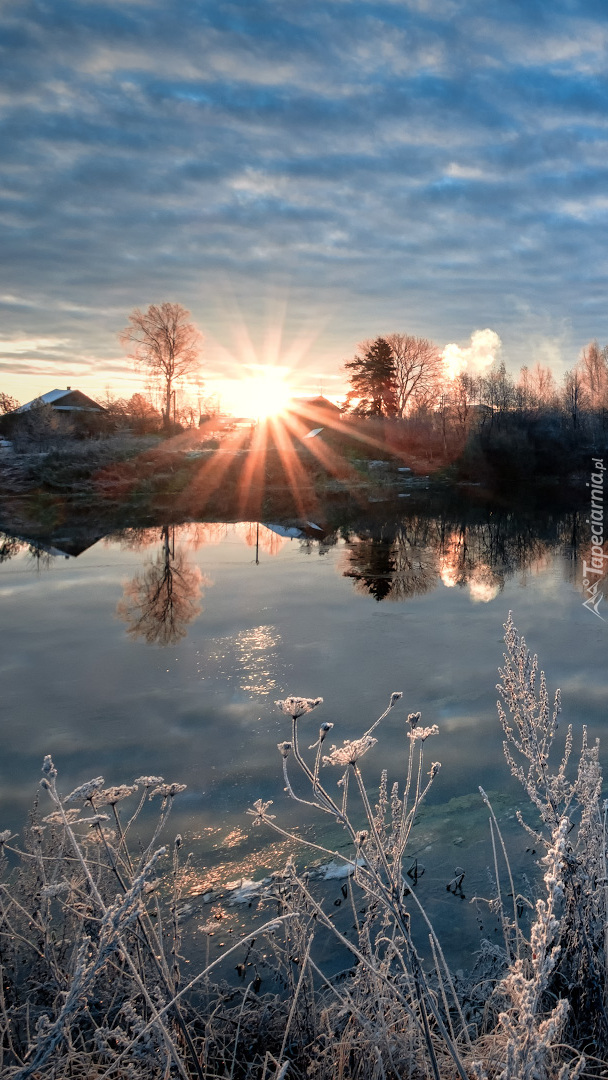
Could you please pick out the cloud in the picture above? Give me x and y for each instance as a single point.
(422, 165)
(475, 358)
(32, 345)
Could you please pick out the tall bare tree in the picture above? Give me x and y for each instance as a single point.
(594, 372)
(575, 395)
(418, 370)
(165, 343)
(543, 388)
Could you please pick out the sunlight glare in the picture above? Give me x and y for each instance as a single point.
(261, 395)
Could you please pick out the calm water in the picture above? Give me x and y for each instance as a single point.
(162, 650)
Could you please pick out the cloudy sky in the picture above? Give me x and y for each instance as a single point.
(301, 175)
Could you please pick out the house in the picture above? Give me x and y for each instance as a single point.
(66, 401)
(56, 413)
(316, 411)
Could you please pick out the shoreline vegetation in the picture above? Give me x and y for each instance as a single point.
(210, 472)
(96, 983)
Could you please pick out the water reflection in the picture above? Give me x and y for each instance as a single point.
(161, 601)
(251, 658)
(393, 558)
(397, 560)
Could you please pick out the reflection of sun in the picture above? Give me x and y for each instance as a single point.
(260, 395)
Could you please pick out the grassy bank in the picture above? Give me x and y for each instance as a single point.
(95, 982)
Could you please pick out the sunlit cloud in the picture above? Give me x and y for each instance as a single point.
(475, 358)
(32, 345)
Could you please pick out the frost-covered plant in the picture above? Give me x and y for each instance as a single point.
(390, 981)
(573, 818)
(89, 957)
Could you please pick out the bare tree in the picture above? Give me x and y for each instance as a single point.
(575, 395)
(165, 343)
(594, 374)
(418, 370)
(542, 385)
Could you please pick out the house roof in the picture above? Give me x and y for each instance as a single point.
(79, 402)
(317, 400)
(44, 399)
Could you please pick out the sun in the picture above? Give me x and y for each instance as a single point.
(261, 395)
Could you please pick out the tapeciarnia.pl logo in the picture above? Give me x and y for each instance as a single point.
(593, 571)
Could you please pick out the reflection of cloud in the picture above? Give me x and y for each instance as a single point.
(483, 585)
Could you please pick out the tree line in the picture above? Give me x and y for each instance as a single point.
(399, 375)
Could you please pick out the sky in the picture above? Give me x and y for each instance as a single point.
(300, 176)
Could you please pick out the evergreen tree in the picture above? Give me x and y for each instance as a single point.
(372, 380)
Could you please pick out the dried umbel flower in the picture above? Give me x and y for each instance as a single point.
(395, 697)
(167, 791)
(259, 812)
(112, 795)
(298, 706)
(350, 752)
(423, 733)
(284, 749)
(5, 836)
(56, 818)
(434, 769)
(148, 781)
(414, 719)
(85, 791)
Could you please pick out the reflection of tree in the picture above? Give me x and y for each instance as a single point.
(160, 602)
(262, 538)
(371, 566)
(408, 557)
(397, 563)
(9, 546)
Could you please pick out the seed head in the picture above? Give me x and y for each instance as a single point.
(350, 752)
(167, 791)
(85, 791)
(284, 749)
(259, 812)
(298, 706)
(112, 795)
(423, 733)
